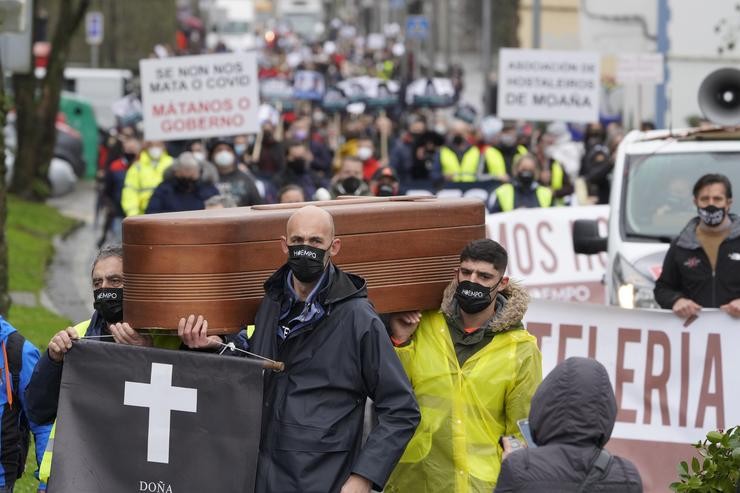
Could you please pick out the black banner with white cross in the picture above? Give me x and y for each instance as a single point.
(140, 419)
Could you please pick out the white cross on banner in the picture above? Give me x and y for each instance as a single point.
(161, 398)
(132, 418)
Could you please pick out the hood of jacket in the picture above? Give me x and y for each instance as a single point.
(574, 405)
(342, 285)
(687, 238)
(510, 317)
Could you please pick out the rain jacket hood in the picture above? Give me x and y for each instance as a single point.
(515, 306)
(574, 405)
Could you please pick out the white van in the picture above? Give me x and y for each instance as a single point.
(651, 202)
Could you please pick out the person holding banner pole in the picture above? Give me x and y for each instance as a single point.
(474, 369)
(317, 320)
(702, 266)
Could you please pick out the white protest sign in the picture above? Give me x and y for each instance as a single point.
(199, 96)
(547, 85)
(672, 384)
(541, 256)
(640, 68)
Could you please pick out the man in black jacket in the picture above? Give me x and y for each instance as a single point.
(702, 266)
(571, 418)
(318, 321)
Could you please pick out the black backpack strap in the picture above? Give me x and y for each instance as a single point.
(14, 349)
(597, 470)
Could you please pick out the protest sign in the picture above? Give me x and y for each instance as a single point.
(308, 84)
(141, 419)
(640, 68)
(199, 96)
(548, 85)
(672, 384)
(541, 256)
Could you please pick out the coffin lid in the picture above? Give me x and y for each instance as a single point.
(267, 222)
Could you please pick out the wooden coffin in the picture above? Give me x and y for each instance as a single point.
(215, 262)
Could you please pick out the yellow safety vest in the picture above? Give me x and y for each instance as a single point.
(466, 170)
(141, 179)
(464, 410)
(557, 177)
(505, 196)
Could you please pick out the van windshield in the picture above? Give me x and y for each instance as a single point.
(657, 199)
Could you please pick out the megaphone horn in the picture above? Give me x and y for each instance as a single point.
(719, 96)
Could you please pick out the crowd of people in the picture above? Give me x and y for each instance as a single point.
(308, 150)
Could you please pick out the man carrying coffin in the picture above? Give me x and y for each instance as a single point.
(318, 321)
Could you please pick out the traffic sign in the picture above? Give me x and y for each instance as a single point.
(417, 27)
(94, 28)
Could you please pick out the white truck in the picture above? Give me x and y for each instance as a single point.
(232, 23)
(300, 16)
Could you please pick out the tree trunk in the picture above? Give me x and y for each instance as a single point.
(37, 136)
(24, 89)
(4, 294)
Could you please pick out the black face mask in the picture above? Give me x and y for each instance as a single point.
(350, 185)
(109, 303)
(130, 157)
(473, 297)
(526, 178)
(298, 166)
(306, 262)
(458, 140)
(711, 215)
(386, 191)
(185, 184)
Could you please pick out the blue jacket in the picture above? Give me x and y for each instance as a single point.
(14, 417)
(168, 197)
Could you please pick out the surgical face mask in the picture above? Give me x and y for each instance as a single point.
(473, 297)
(224, 159)
(526, 178)
(364, 153)
(240, 149)
(306, 262)
(199, 155)
(507, 140)
(300, 134)
(711, 215)
(155, 153)
(108, 302)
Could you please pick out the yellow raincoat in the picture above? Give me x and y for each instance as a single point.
(465, 410)
(141, 179)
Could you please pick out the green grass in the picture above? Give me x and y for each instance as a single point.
(30, 229)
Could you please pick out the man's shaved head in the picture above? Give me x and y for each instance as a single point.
(311, 218)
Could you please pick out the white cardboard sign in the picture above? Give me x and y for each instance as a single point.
(200, 96)
(545, 85)
(640, 68)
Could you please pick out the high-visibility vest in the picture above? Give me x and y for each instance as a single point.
(141, 179)
(557, 177)
(466, 170)
(505, 196)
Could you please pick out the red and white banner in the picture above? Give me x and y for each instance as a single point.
(673, 384)
(541, 256)
(200, 96)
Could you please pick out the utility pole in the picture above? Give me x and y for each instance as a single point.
(536, 23)
(432, 38)
(661, 100)
(486, 41)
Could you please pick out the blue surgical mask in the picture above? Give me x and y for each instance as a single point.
(240, 149)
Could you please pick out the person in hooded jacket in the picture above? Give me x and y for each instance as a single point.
(474, 369)
(571, 419)
(183, 189)
(317, 320)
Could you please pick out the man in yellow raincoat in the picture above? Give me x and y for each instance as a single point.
(474, 369)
